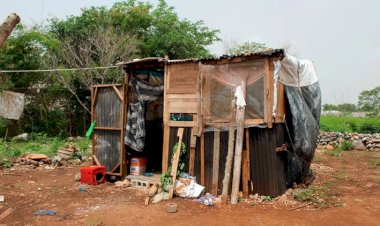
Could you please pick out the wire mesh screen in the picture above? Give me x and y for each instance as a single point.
(218, 86)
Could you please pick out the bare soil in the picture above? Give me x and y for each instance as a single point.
(351, 181)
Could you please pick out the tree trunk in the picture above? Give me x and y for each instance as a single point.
(7, 27)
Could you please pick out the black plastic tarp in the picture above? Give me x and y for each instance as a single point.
(304, 97)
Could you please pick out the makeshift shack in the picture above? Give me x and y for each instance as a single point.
(142, 116)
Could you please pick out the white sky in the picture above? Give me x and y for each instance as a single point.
(342, 37)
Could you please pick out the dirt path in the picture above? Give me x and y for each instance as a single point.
(351, 180)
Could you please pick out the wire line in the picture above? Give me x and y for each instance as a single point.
(57, 69)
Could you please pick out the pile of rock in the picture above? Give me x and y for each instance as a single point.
(359, 141)
(34, 160)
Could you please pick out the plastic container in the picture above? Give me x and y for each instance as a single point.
(92, 174)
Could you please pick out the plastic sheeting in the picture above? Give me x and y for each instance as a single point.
(304, 97)
(219, 83)
(11, 105)
(294, 72)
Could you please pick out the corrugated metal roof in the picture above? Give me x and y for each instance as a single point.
(143, 60)
(269, 52)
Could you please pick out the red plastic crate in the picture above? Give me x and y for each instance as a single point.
(92, 174)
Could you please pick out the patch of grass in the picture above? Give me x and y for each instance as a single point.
(83, 145)
(97, 221)
(349, 124)
(338, 149)
(321, 196)
(378, 180)
(374, 163)
(39, 143)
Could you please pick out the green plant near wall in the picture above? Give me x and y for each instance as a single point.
(166, 179)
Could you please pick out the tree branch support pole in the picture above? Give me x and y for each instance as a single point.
(230, 153)
(7, 27)
(240, 112)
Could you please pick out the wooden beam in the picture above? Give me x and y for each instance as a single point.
(6, 213)
(238, 150)
(96, 160)
(166, 128)
(93, 95)
(215, 162)
(115, 168)
(118, 92)
(175, 162)
(183, 123)
(123, 154)
(108, 128)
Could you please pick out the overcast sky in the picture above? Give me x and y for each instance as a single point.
(342, 37)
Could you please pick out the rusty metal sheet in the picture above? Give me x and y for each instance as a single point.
(11, 104)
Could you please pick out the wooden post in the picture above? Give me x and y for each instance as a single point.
(175, 161)
(202, 158)
(230, 154)
(246, 166)
(238, 150)
(193, 143)
(7, 27)
(215, 162)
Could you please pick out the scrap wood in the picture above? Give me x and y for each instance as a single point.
(175, 161)
(36, 156)
(301, 206)
(6, 213)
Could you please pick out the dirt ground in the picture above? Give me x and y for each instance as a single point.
(350, 185)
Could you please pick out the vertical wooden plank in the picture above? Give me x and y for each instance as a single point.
(166, 117)
(271, 91)
(230, 153)
(202, 158)
(193, 141)
(245, 166)
(268, 79)
(175, 161)
(238, 150)
(123, 160)
(93, 95)
(215, 162)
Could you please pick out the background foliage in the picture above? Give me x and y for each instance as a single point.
(58, 102)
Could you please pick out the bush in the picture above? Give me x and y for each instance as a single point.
(349, 124)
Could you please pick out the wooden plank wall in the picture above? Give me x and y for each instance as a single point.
(261, 164)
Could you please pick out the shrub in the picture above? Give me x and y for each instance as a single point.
(349, 124)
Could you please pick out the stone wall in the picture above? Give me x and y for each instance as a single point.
(359, 141)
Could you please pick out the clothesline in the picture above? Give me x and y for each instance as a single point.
(57, 69)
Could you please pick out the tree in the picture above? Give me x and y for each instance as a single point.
(369, 100)
(234, 48)
(330, 107)
(101, 48)
(25, 49)
(346, 107)
(159, 30)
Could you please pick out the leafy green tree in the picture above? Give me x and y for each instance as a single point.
(26, 50)
(346, 107)
(369, 100)
(330, 107)
(159, 30)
